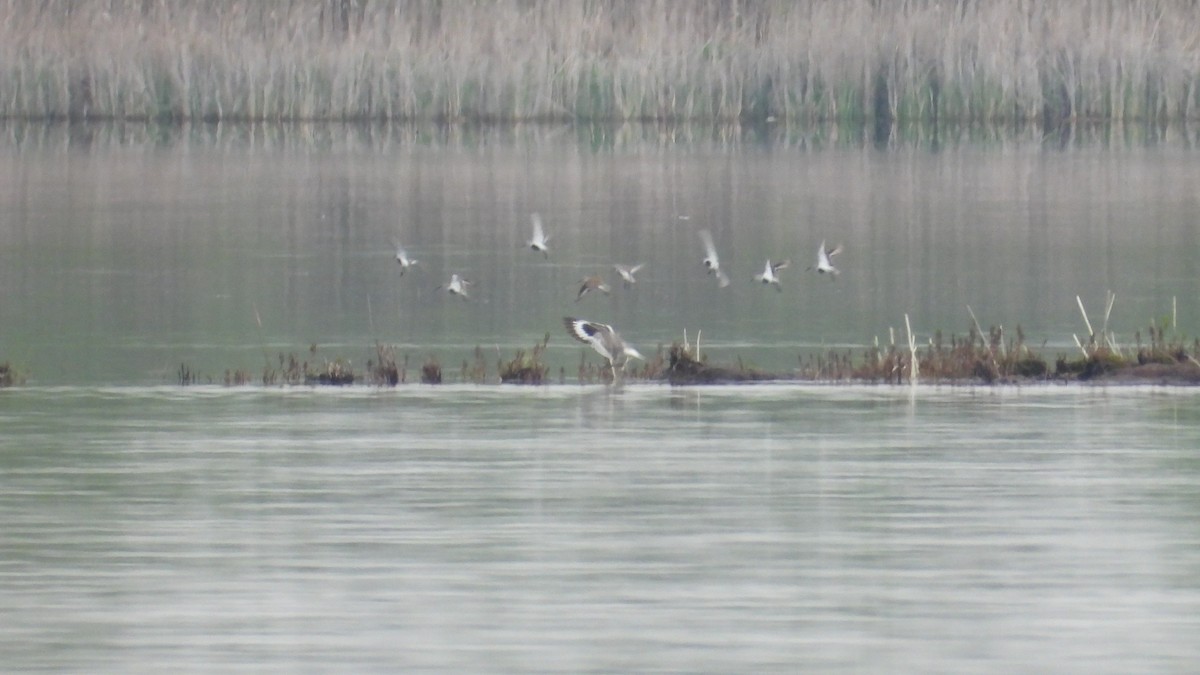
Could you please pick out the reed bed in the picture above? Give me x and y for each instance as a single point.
(291, 369)
(294, 369)
(991, 357)
(526, 368)
(803, 60)
(994, 356)
(431, 371)
(10, 376)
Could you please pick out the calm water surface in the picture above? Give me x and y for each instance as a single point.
(568, 528)
(469, 528)
(123, 255)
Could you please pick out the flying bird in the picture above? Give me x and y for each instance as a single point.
(770, 273)
(457, 286)
(824, 262)
(627, 273)
(592, 283)
(538, 242)
(403, 260)
(605, 340)
(711, 260)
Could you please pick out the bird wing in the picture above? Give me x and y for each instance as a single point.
(539, 234)
(780, 265)
(575, 328)
(591, 333)
(710, 249)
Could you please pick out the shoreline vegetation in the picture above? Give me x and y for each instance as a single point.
(995, 357)
(793, 61)
(1163, 356)
(384, 136)
(1160, 356)
(975, 359)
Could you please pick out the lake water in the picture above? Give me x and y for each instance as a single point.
(125, 254)
(581, 528)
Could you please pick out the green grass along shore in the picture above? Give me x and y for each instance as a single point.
(1039, 61)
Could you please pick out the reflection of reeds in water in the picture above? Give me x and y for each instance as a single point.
(28, 134)
(653, 59)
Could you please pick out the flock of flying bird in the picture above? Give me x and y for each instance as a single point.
(602, 337)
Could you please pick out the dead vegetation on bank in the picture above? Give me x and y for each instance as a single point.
(992, 357)
(1162, 356)
(10, 376)
(988, 359)
(1159, 355)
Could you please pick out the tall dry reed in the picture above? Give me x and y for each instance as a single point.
(965, 60)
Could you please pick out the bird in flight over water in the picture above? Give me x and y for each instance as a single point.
(824, 259)
(604, 339)
(770, 273)
(538, 242)
(711, 260)
(627, 273)
(403, 260)
(457, 286)
(592, 283)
